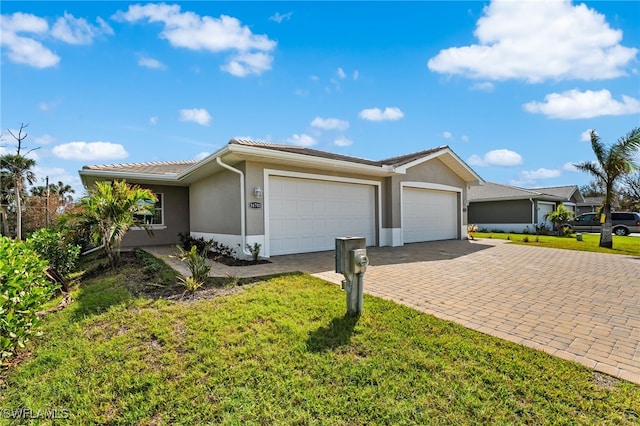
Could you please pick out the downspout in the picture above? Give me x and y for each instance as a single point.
(243, 230)
(533, 214)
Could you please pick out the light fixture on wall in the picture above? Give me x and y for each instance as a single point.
(257, 191)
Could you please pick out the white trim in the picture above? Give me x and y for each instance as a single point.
(514, 228)
(285, 173)
(433, 187)
(391, 237)
(384, 170)
(152, 227)
(442, 151)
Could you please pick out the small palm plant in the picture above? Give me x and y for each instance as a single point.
(198, 266)
(559, 217)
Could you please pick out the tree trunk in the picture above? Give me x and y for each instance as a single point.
(606, 230)
(16, 188)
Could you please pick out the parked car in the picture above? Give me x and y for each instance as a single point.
(623, 223)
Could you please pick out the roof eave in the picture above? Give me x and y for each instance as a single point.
(465, 172)
(384, 170)
(114, 175)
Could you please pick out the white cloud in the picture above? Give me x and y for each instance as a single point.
(56, 174)
(147, 62)
(342, 141)
(497, 157)
(573, 104)
(90, 151)
(301, 92)
(537, 41)
(244, 64)
(376, 114)
(153, 120)
(192, 31)
(26, 50)
(48, 106)
(447, 135)
(302, 140)
(341, 73)
(196, 115)
(43, 140)
(330, 123)
(569, 167)
(201, 156)
(541, 173)
(279, 18)
(77, 30)
(356, 74)
(464, 138)
(585, 136)
(483, 87)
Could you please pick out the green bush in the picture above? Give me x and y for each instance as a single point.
(53, 246)
(24, 287)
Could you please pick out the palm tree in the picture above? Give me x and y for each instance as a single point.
(17, 169)
(612, 163)
(63, 191)
(110, 210)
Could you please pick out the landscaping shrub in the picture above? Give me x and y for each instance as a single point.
(53, 246)
(24, 288)
(198, 266)
(204, 246)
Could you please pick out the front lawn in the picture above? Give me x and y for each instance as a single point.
(281, 351)
(590, 242)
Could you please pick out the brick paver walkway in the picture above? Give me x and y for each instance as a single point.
(579, 306)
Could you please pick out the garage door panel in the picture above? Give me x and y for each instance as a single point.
(307, 215)
(429, 215)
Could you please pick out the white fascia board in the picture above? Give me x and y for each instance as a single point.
(310, 159)
(113, 175)
(206, 160)
(516, 198)
(478, 180)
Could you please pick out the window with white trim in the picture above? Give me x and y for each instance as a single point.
(154, 216)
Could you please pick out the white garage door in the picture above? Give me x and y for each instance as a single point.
(307, 215)
(429, 215)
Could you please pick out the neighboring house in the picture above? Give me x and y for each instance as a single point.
(569, 194)
(511, 209)
(592, 204)
(291, 199)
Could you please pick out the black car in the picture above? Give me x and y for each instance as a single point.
(623, 223)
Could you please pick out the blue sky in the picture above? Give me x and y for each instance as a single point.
(512, 87)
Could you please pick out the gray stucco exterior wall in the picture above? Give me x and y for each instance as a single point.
(214, 204)
(176, 219)
(511, 211)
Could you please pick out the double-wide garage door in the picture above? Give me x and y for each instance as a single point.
(306, 215)
(429, 215)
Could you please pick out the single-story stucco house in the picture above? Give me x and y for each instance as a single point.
(291, 199)
(507, 208)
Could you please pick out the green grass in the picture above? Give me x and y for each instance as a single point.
(590, 242)
(282, 352)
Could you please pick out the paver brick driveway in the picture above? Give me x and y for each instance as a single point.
(579, 306)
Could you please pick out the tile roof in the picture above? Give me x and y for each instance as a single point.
(495, 191)
(559, 191)
(302, 150)
(158, 168)
(177, 167)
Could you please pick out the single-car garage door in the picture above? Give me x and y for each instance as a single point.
(306, 215)
(429, 215)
